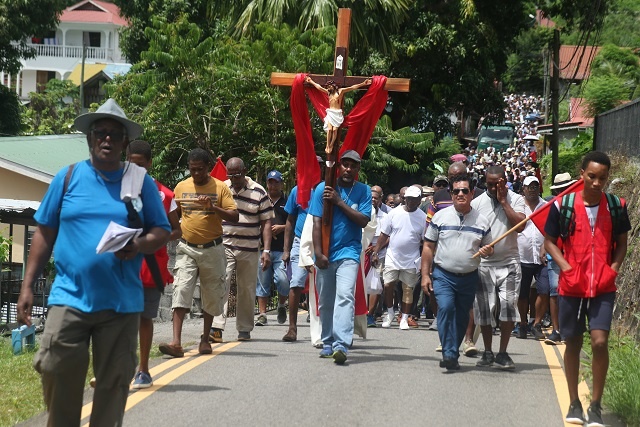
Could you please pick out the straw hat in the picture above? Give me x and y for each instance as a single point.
(562, 180)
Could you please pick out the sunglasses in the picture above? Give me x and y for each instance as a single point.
(457, 191)
(102, 134)
(440, 185)
(235, 175)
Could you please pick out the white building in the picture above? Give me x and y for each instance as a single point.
(92, 22)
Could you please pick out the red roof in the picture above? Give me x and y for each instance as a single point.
(575, 61)
(578, 113)
(94, 11)
(544, 21)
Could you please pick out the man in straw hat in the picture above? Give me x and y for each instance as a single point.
(95, 297)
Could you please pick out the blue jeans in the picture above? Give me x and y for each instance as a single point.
(454, 295)
(276, 272)
(298, 274)
(336, 286)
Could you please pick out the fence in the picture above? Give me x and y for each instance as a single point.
(9, 293)
(618, 130)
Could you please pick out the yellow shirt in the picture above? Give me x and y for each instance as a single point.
(200, 225)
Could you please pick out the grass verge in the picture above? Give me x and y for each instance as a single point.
(622, 389)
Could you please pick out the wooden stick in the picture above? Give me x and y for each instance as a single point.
(185, 200)
(514, 228)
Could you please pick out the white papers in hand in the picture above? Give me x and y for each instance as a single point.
(116, 237)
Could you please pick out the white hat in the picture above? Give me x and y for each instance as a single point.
(528, 180)
(109, 110)
(413, 192)
(562, 180)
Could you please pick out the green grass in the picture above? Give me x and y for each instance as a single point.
(622, 389)
(21, 391)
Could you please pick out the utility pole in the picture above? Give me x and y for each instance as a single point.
(84, 55)
(555, 95)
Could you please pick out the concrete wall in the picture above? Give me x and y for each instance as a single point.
(28, 82)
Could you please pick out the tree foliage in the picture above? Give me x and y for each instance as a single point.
(53, 110)
(525, 64)
(9, 112)
(20, 20)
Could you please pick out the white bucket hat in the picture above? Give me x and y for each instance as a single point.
(562, 180)
(109, 110)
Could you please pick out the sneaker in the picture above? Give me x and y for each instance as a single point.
(215, 335)
(553, 338)
(522, 332)
(450, 364)
(142, 380)
(171, 350)
(487, 359)
(339, 357)
(439, 348)
(434, 325)
(594, 415)
(282, 314)
(308, 318)
(262, 320)
(469, 349)
(371, 321)
(516, 330)
(537, 332)
(504, 361)
(326, 352)
(575, 414)
(244, 336)
(387, 320)
(404, 325)
(546, 320)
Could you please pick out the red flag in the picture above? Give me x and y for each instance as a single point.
(539, 217)
(219, 171)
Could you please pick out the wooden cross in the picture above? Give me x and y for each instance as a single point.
(342, 80)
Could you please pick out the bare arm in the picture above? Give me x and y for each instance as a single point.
(555, 252)
(322, 261)
(174, 220)
(426, 264)
(265, 257)
(356, 216)
(620, 251)
(513, 216)
(41, 248)
(354, 87)
(289, 228)
(383, 240)
(316, 85)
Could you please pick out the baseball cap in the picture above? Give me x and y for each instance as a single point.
(413, 192)
(528, 180)
(440, 178)
(351, 154)
(274, 175)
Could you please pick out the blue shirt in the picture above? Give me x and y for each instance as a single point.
(346, 235)
(293, 208)
(85, 280)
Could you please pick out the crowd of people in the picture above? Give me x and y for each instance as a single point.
(426, 247)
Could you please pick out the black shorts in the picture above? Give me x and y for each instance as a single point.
(529, 271)
(574, 311)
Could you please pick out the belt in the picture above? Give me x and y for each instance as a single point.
(210, 244)
(457, 274)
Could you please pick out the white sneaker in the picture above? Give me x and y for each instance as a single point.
(439, 348)
(434, 326)
(404, 325)
(386, 322)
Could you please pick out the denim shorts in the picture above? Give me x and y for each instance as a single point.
(549, 286)
(573, 311)
(529, 272)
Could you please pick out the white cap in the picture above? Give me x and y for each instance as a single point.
(413, 192)
(528, 180)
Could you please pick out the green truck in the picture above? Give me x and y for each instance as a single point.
(498, 136)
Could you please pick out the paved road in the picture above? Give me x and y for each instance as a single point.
(391, 378)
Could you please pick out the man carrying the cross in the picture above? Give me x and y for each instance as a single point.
(337, 273)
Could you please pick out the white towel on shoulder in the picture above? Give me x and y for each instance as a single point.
(131, 186)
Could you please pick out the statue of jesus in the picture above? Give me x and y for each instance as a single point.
(334, 117)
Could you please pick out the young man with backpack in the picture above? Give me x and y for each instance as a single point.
(593, 227)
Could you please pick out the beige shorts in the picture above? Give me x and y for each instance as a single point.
(408, 277)
(208, 264)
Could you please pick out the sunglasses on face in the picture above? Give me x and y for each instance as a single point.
(457, 191)
(235, 175)
(102, 134)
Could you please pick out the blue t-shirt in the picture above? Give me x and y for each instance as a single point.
(85, 280)
(346, 235)
(293, 208)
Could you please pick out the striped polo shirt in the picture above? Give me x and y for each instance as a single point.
(253, 206)
(458, 237)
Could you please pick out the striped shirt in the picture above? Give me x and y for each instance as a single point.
(458, 237)
(254, 206)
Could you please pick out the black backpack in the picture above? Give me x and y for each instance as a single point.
(568, 214)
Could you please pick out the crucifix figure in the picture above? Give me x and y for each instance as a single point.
(340, 84)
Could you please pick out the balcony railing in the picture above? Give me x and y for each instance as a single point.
(63, 51)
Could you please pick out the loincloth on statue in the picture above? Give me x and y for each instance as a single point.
(334, 117)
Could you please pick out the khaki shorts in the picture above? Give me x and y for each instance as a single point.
(408, 277)
(208, 264)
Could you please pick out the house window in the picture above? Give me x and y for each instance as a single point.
(91, 39)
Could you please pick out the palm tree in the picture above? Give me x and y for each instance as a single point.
(373, 21)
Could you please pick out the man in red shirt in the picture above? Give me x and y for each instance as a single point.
(139, 152)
